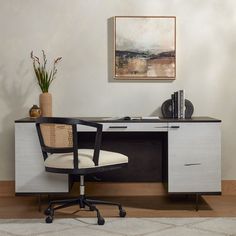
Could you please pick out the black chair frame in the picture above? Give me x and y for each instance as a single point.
(82, 200)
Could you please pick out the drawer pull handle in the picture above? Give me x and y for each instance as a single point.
(118, 127)
(174, 126)
(193, 164)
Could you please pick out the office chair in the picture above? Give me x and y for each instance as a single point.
(70, 159)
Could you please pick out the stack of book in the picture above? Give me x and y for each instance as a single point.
(178, 104)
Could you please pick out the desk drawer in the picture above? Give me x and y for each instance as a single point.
(127, 127)
(194, 177)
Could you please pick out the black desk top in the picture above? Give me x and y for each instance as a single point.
(133, 120)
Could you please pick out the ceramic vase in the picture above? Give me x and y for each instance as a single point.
(34, 111)
(45, 103)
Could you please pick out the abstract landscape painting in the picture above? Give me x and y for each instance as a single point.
(144, 48)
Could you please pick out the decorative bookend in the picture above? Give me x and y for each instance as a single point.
(168, 109)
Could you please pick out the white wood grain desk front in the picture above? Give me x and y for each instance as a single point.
(194, 154)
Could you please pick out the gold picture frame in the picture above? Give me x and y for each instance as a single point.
(144, 48)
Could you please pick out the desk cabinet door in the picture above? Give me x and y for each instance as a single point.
(194, 160)
(30, 174)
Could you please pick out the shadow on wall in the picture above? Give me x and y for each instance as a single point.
(13, 94)
(156, 112)
(110, 48)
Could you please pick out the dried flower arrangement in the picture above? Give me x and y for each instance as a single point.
(44, 76)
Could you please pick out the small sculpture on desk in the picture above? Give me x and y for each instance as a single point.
(34, 112)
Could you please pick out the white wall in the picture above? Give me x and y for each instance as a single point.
(77, 30)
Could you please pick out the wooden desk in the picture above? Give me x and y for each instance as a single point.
(192, 154)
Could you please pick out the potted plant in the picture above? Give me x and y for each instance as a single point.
(44, 77)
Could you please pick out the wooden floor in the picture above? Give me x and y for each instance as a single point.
(136, 206)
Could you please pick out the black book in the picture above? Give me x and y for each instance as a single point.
(173, 105)
(176, 104)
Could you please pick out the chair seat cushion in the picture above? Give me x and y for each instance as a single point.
(85, 156)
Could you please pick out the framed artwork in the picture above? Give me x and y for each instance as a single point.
(144, 47)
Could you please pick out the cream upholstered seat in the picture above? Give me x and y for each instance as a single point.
(85, 157)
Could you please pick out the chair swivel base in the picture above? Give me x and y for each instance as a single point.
(82, 201)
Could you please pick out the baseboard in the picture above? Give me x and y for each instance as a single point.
(229, 187)
(7, 188)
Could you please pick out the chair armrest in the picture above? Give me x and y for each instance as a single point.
(97, 145)
(98, 139)
(89, 123)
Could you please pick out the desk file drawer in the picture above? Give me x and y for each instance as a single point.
(194, 161)
(127, 127)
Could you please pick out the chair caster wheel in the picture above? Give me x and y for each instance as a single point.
(48, 212)
(101, 221)
(49, 219)
(122, 213)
